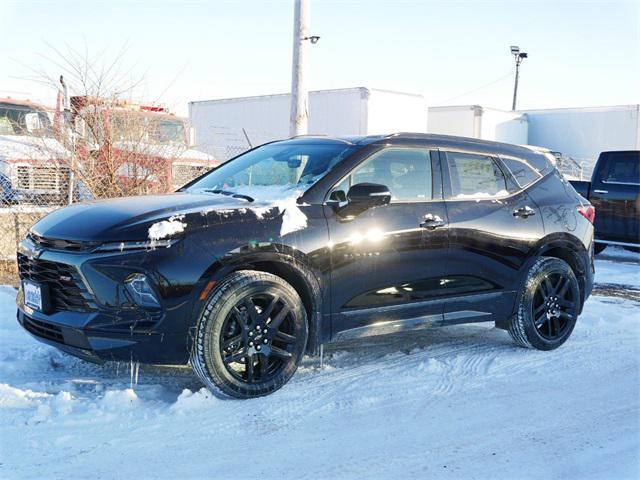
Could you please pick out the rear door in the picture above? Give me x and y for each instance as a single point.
(493, 225)
(387, 264)
(615, 193)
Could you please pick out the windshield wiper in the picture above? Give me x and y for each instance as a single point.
(230, 194)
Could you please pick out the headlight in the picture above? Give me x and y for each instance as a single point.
(142, 245)
(140, 290)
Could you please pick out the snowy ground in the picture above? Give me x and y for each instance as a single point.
(457, 402)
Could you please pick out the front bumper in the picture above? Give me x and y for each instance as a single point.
(89, 316)
(67, 332)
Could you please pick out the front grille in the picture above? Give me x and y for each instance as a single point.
(43, 329)
(42, 177)
(183, 174)
(58, 244)
(66, 288)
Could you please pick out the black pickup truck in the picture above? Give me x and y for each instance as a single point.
(614, 191)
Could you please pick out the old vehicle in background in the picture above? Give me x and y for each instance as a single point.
(33, 162)
(133, 148)
(614, 191)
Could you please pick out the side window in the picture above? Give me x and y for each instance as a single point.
(405, 171)
(623, 168)
(521, 171)
(475, 176)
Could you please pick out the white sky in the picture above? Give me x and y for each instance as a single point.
(582, 53)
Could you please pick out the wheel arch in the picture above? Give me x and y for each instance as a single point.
(285, 262)
(558, 245)
(567, 248)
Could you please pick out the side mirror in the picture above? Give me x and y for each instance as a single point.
(363, 196)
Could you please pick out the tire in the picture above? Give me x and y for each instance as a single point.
(228, 335)
(548, 305)
(599, 248)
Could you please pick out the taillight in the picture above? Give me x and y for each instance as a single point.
(588, 212)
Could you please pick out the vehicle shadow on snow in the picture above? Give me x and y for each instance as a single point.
(166, 383)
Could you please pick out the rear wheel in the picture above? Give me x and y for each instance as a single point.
(548, 306)
(251, 335)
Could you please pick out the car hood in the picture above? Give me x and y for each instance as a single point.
(25, 147)
(130, 218)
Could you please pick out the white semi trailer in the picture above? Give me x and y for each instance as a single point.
(476, 121)
(583, 133)
(227, 127)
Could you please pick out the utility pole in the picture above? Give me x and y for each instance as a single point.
(68, 124)
(299, 93)
(519, 56)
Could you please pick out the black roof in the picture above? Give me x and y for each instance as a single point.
(537, 159)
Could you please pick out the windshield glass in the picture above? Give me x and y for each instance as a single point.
(274, 170)
(137, 128)
(167, 131)
(24, 120)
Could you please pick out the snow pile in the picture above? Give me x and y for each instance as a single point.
(167, 228)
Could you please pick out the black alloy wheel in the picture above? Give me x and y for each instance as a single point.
(251, 335)
(258, 338)
(554, 306)
(548, 305)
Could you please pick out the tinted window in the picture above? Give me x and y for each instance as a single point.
(623, 167)
(475, 176)
(521, 171)
(405, 171)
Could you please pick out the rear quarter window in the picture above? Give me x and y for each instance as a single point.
(523, 173)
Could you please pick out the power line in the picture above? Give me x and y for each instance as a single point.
(478, 88)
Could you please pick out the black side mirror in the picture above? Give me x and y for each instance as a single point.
(363, 196)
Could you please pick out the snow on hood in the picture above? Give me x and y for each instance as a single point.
(24, 147)
(167, 228)
(164, 151)
(282, 197)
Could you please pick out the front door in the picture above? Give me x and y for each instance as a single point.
(388, 262)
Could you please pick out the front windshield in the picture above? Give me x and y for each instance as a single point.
(135, 127)
(274, 169)
(167, 132)
(24, 120)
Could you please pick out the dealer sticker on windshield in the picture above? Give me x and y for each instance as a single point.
(32, 295)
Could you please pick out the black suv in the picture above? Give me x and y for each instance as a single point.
(310, 240)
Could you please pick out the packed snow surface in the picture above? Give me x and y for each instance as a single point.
(461, 402)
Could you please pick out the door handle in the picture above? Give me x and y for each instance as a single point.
(524, 212)
(431, 222)
(601, 191)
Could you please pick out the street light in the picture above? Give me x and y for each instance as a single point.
(519, 57)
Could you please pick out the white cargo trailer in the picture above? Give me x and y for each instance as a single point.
(583, 133)
(226, 127)
(479, 122)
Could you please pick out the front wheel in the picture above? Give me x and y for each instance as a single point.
(251, 335)
(548, 305)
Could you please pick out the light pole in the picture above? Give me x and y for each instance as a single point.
(299, 93)
(519, 56)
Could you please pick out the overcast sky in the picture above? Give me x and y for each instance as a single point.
(582, 53)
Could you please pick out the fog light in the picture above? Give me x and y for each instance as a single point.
(140, 290)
